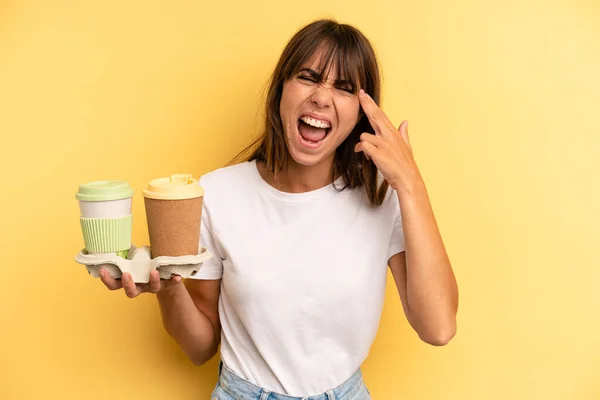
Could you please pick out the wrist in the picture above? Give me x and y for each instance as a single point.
(170, 288)
(414, 187)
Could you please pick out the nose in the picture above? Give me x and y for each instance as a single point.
(321, 97)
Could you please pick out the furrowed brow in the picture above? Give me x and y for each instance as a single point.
(318, 77)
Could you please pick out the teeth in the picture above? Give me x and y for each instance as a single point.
(315, 122)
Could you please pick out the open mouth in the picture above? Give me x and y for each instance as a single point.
(312, 130)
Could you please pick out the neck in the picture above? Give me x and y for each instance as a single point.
(297, 178)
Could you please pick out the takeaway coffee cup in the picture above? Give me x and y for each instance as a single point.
(173, 213)
(106, 219)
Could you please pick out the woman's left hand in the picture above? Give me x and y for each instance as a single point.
(389, 148)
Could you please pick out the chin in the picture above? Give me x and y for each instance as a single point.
(306, 160)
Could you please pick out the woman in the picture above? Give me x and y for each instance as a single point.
(302, 233)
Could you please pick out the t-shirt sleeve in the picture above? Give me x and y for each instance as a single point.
(397, 244)
(213, 267)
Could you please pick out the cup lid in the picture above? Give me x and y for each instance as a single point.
(104, 191)
(175, 187)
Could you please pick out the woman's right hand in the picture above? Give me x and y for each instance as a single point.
(133, 289)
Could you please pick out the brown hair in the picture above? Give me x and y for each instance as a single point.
(347, 50)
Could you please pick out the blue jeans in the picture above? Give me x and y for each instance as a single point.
(232, 387)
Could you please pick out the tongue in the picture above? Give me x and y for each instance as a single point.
(311, 133)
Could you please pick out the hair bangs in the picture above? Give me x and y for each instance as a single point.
(337, 53)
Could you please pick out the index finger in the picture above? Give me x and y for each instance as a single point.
(374, 113)
(109, 281)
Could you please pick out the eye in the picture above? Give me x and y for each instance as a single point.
(307, 78)
(347, 89)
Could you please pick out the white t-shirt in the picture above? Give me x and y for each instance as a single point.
(303, 277)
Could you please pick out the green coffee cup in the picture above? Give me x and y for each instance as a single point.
(106, 218)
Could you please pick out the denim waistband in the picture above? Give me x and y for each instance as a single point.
(242, 389)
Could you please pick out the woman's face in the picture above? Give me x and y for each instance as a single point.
(317, 116)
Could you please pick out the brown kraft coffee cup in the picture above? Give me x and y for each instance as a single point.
(173, 214)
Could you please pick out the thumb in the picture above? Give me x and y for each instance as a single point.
(403, 128)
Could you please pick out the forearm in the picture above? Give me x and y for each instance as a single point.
(187, 325)
(431, 290)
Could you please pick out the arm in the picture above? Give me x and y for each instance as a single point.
(423, 274)
(190, 316)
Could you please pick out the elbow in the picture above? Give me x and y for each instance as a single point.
(199, 358)
(198, 361)
(440, 336)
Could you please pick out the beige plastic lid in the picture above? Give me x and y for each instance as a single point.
(175, 187)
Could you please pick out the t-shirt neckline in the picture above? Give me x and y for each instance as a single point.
(293, 197)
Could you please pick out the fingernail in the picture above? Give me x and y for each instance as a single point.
(362, 92)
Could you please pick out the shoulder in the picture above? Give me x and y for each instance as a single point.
(227, 177)
(358, 199)
(226, 185)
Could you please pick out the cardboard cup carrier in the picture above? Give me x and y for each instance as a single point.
(173, 214)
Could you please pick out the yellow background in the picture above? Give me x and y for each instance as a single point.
(503, 103)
